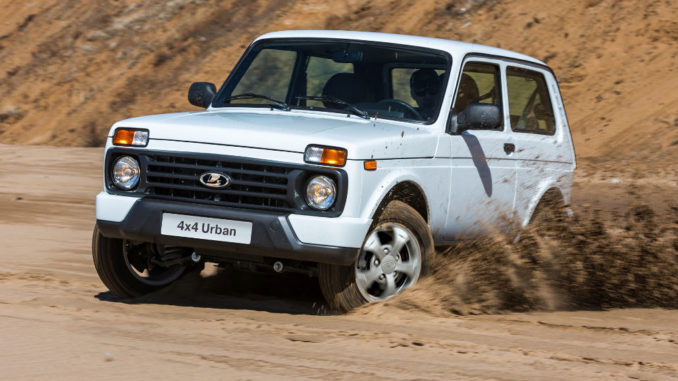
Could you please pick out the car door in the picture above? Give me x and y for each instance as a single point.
(482, 169)
(544, 156)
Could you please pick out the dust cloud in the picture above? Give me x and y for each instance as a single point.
(593, 260)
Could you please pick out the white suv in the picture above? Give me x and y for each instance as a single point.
(345, 155)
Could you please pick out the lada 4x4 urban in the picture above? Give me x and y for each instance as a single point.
(345, 155)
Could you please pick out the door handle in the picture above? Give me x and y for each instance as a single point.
(509, 148)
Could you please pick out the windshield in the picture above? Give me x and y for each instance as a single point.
(352, 77)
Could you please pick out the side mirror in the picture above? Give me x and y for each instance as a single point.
(201, 94)
(476, 116)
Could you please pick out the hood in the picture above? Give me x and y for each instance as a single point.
(291, 131)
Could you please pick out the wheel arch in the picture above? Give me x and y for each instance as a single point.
(409, 192)
(549, 196)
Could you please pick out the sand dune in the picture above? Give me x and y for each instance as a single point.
(70, 68)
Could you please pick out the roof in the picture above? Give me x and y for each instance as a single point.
(456, 48)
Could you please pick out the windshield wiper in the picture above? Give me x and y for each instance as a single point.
(328, 98)
(274, 102)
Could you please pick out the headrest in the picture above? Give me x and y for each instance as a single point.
(468, 93)
(347, 87)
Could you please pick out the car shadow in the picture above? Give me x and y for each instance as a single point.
(236, 290)
(479, 161)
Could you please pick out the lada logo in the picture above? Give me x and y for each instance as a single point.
(215, 180)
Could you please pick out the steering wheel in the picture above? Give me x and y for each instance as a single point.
(398, 105)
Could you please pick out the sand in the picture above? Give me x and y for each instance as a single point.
(57, 321)
(70, 68)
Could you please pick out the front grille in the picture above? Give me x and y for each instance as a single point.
(253, 185)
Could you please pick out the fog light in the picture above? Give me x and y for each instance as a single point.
(126, 173)
(321, 192)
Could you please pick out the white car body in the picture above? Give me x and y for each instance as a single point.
(468, 180)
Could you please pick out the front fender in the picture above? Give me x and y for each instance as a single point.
(431, 180)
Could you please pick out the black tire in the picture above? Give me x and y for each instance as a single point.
(338, 283)
(549, 217)
(115, 273)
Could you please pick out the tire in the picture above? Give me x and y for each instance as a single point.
(374, 276)
(549, 217)
(120, 277)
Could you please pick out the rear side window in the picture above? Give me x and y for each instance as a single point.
(529, 102)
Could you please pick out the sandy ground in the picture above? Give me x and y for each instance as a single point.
(60, 79)
(57, 321)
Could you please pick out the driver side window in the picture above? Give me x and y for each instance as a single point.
(479, 83)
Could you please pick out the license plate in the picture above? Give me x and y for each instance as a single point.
(214, 229)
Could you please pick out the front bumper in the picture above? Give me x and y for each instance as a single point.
(276, 235)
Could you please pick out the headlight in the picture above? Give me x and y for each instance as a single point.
(321, 192)
(126, 172)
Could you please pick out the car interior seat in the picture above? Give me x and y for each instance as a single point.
(468, 93)
(348, 87)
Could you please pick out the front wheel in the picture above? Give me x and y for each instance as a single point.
(131, 270)
(397, 251)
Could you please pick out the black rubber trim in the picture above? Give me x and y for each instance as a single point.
(272, 234)
(297, 180)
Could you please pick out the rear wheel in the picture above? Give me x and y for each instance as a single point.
(131, 270)
(397, 251)
(549, 217)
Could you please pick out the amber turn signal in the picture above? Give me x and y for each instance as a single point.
(370, 165)
(130, 137)
(333, 157)
(325, 155)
